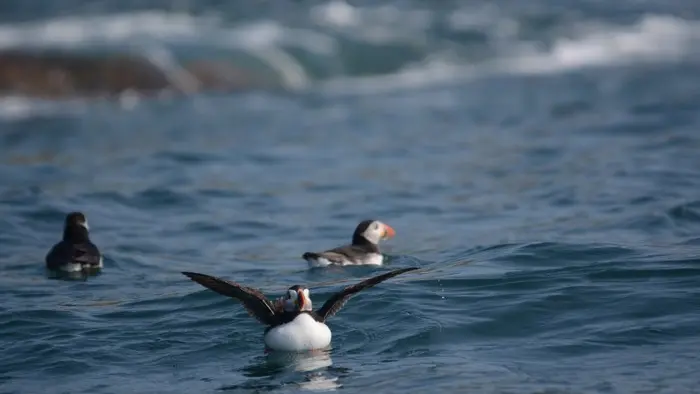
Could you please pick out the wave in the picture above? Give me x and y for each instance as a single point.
(343, 49)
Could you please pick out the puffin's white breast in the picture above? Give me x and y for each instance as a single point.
(301, 334)
(371, 259)
(368, 259)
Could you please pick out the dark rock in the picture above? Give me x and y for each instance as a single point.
(65, 75)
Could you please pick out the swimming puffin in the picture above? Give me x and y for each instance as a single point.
(292, 324)
(364, 249)
(75, 252)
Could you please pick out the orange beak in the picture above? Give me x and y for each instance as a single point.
(301, 300)
(388, 231)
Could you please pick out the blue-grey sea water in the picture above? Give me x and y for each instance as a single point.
(540, 160)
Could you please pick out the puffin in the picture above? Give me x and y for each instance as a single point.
(75, 252)
(364, 249)
(292, 324)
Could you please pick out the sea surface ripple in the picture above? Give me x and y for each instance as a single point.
(550, 198)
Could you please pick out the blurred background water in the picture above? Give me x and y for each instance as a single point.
(540, 160)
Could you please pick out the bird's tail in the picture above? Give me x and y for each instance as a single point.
(310, 256)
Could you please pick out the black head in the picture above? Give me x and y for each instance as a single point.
(363, 226)
(76, 227)
(371, 231)
(297, 287)
(76, 219)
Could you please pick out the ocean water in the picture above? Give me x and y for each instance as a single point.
(540, 161)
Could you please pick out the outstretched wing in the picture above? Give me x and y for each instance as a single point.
(333, 305)
(254, 302)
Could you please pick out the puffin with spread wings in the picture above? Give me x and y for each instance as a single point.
(292, 324)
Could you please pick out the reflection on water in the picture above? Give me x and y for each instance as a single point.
(309, 371)
(320, 383)
(301, 362)
(72, 275)
(312, 364)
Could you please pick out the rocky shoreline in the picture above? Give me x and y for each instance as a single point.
(63, 75)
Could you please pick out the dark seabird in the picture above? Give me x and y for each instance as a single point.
(75, 252)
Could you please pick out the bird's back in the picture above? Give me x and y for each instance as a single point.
(68, 253)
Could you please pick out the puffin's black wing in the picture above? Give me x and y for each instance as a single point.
(254, 302)
(333, 305)
(333, 257)
(342, 253)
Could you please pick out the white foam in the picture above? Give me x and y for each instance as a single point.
(652, 39)
(383, 24)
(151, 32)
(15, 108)
(266, 34)
(149, 28)
(432, 72)
(335, 13)
(74, 31)
(340, 14)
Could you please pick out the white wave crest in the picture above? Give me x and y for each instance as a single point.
(652, 39)
(655, 39)
(152, 33)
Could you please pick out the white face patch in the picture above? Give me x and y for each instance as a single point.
(374, 232)
(85, 224)
(292, 295)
